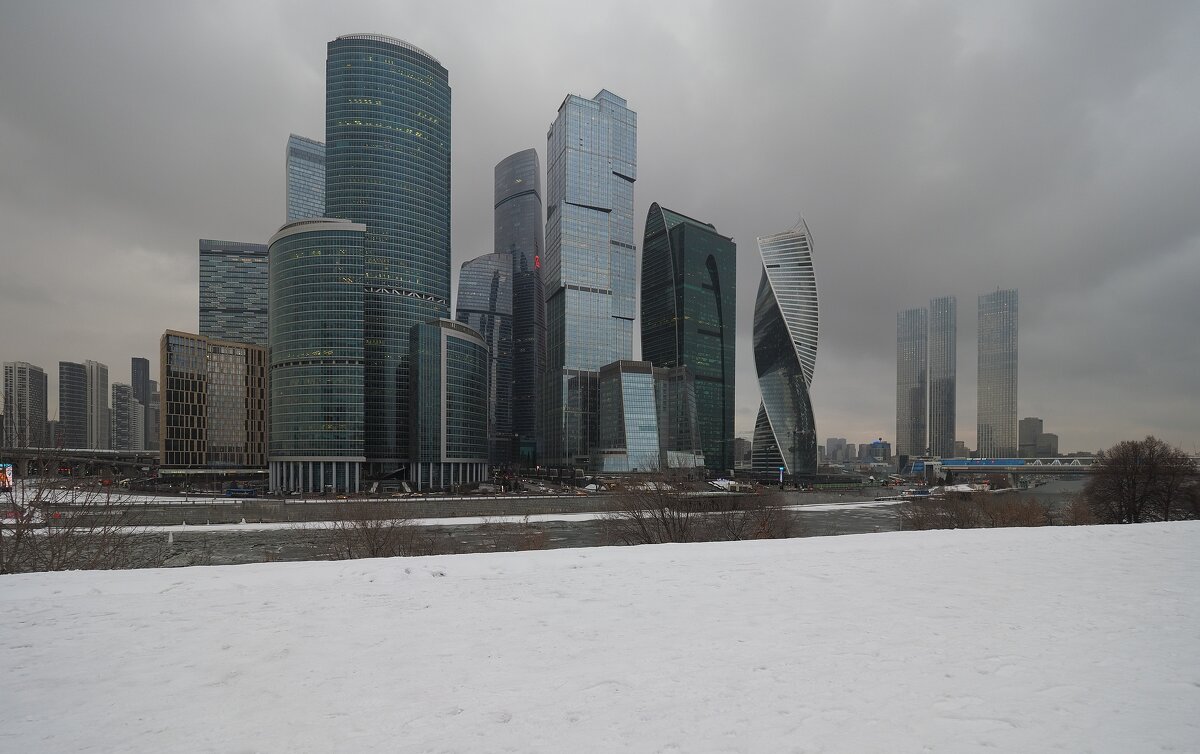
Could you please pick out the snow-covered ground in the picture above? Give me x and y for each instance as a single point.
(1019, 640)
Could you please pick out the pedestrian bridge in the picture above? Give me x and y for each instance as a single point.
(1074, 465)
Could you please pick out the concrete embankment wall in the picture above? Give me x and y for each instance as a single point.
(265, 510)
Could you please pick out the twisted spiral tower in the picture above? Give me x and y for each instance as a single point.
(785, 354)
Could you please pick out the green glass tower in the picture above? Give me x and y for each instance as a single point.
(387, 166)
(688, 318)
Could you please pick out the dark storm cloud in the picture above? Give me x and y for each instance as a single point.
(935, 148)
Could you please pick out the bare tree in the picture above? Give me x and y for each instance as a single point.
(1142, 480)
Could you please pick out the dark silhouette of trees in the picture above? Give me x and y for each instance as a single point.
(1143, 480)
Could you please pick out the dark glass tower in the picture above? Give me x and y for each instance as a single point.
(449, 366)
(139, 371)
(518, 217)
(688, 305)
(72, 405)
(316, 357)
(912, 381)
(233, 291)
(387, 166)
(485, 303)
(943, 375)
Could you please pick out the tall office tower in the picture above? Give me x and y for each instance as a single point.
(215, 412)
(139, 372)
(72, 405)
(688, 318)
(835, 448)
(25, 391)
(785, 354)
(128, 419)
(590, 265)
(152, 412)
(485, 304)
(1028, 430)
(387, 166)
(96, 396)
(997, 421)
(519, 233)
(233, 291)
(317, 356)
(943, 375)
(305, 178)
(912, 388)
(449, 365)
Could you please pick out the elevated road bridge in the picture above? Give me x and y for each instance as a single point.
(118, 460)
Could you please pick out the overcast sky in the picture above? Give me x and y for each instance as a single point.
(934, 148)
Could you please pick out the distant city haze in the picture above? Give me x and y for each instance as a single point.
(933, 150)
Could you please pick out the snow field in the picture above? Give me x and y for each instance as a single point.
(1024, 640)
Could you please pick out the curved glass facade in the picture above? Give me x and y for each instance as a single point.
(785, 354)
(688, 318)
(387, 166)
(316, 322)
(518, 232)
(485, 304)
(449, 383)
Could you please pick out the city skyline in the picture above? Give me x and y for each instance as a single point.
(1057, 205)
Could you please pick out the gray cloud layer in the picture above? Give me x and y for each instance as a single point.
(935, 148)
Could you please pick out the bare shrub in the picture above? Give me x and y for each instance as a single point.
(46, 525)
(367, 530)
(1078, 512)
(978, 511)
(656, 512)
(513, 536)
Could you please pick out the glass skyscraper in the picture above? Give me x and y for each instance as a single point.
(72, 405)
(449, 364)
(25, 391)
(590, 266)
(485, 304)
(997, 406)
(912, 381)
(305, 178)
(139, 371)
(943, 375)
(519, 233)
(387, 166)
(688, 318)
(233, 291)
(785, 354)
(316, 356)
